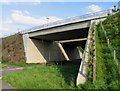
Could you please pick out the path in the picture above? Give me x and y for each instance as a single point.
(8, 70)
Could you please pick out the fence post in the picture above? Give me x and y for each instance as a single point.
(108, 41)
(114, 55)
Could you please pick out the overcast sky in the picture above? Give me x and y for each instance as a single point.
(18, 15)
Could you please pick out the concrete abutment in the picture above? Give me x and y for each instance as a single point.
(41, 51)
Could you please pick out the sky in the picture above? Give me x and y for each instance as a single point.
(24, 14)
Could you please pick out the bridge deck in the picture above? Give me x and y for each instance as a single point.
(81, 18)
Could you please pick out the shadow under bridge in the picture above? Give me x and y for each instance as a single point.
(62, 46)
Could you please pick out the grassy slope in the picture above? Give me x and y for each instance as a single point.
(107, 72)
(112, 28)
(44, 77)
(100, 69)
(106, 68)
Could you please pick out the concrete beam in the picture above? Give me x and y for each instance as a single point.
(59, 29)
(63, 52)
(73, 40)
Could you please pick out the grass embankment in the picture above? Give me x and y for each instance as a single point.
(112, 28)
(44, 77)
(107, 75)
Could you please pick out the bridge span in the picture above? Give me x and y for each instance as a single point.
(59, 41)
(62, 41)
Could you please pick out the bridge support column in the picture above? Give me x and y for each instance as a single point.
(63, 51)
(32, 52)
(72, 51)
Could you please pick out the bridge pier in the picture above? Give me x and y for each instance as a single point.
(73, 52)
(63, 51)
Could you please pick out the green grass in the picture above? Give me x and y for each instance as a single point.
(21, 64)
(44, 77)
(112, 28)
(100, 69)
(107, 75)
(2, 65)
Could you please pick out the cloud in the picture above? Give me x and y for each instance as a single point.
(1, 35)
(22, 20)
(26, 12)
(7, 27)
(17, 11)
(21, 17)
(94, 8)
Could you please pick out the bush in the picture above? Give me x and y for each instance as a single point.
(114, 85)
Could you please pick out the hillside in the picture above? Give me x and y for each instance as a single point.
(107, 69)
(112, 28)
(12, 49)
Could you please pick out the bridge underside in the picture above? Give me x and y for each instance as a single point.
(55, 46)
(67, 35)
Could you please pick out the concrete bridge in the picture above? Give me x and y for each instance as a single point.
(62, 41)
(59, 41)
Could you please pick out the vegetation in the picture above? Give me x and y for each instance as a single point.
(106, 68)
(44, 77)
(91, 60)
(64, 77)
(20, 64)
(112, 28)
(2, 66)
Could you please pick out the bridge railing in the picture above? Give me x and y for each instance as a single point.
(69, 20)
